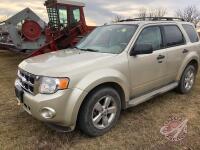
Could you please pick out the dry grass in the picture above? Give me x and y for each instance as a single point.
(138, 128)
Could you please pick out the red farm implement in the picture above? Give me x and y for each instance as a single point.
(26, 32)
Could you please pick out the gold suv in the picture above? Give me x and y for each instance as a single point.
(115, 67)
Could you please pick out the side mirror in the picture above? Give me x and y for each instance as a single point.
(140, 49)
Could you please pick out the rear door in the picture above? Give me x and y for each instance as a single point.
(194, 44)
(175, 44)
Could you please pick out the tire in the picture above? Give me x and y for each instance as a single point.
(185, 87)
(95, 117)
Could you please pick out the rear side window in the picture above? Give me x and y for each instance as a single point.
(191, 33)
(173, 36)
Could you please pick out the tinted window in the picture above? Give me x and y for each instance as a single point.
(151, 35)
(191, 33)
(173, 36)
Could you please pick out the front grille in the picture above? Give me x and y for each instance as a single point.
(27, 81)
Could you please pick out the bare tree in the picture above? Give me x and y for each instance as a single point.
(157, 12)
(117, 19)
(142, 13)
(152, 12)
(190, 14)
(160, 12)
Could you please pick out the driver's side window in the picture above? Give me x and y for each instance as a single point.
(151, 35)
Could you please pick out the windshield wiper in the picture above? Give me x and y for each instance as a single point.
(90, 50)
(75, 47)
(87, 49)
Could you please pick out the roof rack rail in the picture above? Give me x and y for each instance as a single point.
(154, 19)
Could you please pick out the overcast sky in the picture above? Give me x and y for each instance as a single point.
(98, 12)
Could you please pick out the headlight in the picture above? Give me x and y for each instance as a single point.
(52, 85)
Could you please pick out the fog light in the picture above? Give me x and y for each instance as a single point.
(48, 113)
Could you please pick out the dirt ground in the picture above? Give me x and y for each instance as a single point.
(138, 127)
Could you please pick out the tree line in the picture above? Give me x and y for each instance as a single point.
(189, 13)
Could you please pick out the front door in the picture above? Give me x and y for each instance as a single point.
(148, 71)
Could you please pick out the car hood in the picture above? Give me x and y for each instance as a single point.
(62, 63)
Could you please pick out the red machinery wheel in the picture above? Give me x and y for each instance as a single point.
(31, 30)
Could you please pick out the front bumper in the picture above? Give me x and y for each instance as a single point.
(66, 104)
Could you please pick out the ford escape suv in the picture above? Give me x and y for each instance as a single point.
(115, 67)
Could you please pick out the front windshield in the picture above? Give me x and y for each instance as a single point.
(108, 39)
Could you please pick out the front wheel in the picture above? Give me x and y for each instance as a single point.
(187, 80)
(100, 111)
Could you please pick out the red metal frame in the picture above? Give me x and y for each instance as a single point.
(64, 38)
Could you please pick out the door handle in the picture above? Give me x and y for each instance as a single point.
(185, 51)
(160, 57)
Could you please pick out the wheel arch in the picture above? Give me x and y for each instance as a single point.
(104, 78)
(113, 85)
(194, 60)
(195, 64)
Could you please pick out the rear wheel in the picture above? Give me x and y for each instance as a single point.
(99, 112)
(187, 80)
